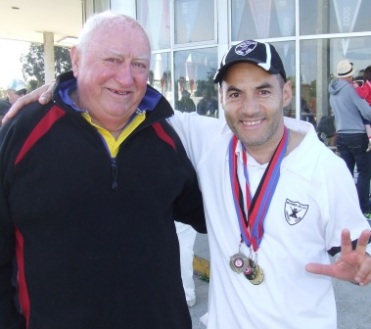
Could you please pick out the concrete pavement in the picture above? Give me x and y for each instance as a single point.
(353, 304)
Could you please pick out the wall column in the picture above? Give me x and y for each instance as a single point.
(49, 56)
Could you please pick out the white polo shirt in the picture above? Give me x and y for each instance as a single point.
(314, 200)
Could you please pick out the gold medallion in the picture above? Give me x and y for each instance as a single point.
(254, 273)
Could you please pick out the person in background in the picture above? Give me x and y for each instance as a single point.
(207, 105)
(90, 184)
(351, 137)
(187, 237)
(364, 91)
(276, 213)
(326, 129)
(14, 90)
(306, 113)
(186, 103)
(4, 108)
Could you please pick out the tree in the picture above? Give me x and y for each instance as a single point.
(207, 84)
(33, 64)
(2, 93)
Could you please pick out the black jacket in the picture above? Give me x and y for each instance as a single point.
(93, 237)
(4, 107)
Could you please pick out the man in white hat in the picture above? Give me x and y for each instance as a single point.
(351, 137)
(15, 89)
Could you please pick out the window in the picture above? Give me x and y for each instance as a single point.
(334, 16)
(286, 50)
(154, 15)
(260, 19)
(190, 36)
(194, 72)
(160, 74)
(194, 21)
(319, 58)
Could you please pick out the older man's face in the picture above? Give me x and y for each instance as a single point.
(112, 73)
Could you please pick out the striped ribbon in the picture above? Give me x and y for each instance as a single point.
(251, 224)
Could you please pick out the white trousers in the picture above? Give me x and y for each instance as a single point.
(186, 237)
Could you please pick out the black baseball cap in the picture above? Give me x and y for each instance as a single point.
(261, 53)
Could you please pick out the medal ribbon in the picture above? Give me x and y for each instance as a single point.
(251, 224)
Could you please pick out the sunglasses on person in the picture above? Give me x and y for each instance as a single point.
(21, 92)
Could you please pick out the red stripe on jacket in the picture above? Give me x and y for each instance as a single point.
(40, 130)
(163, 134)
(23, 296)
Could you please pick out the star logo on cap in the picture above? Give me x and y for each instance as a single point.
(245, 47)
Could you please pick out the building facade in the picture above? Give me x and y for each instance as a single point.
(189, 38)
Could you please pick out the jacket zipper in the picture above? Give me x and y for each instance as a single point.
(115, 185)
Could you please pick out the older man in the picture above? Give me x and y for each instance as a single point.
(89, 187)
